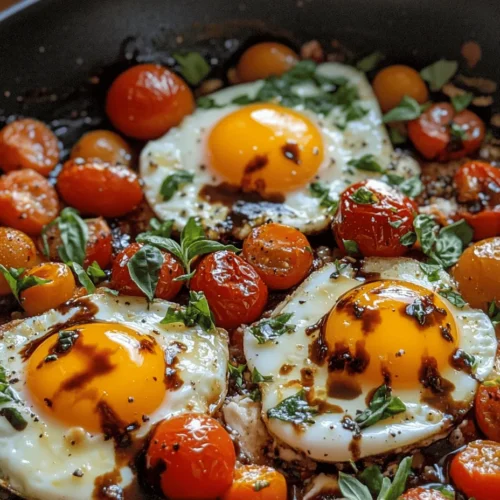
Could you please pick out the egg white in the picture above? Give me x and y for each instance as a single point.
(326, 440)
(182, 148)
(39, 461)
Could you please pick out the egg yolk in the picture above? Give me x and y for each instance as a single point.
(384, 329)
(96, 374)
(265, 148)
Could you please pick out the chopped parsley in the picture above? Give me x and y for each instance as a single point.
(236, 373)
(454, 297)
(321, 191)
(7, 395)
(272, 328)
(364, 196)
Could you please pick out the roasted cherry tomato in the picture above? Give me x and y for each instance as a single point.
(280, 254)
(487, 409)
(96, 188)
(442, 134)
(99, 243)
(147, 100)
(28, 143)
(264, 60)
(193, 456)
(60, 288)
(476, 470)
(477, 273)
(27, 201)
(17, 250)
(422, 494)
(235, 292)
(391, 84)
(257, 482)
(103, 145)
(166, 288)
(376, 217)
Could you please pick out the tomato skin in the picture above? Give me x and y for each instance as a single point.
(166, 288)
(28, 143)
(422, 494)
(194, 456)
(27, 201)
(487, 410)
(103, 145)
(235, 292)
(280, 254)
(431, 135)
(368, 224)
(147, 100)
(100, 189)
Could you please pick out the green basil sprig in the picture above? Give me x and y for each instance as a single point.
(382, 406)
(89, 277)
(294, 409)
(272, 328)
(7, 395)
(193, 66)
(439, 73)
(17, 282)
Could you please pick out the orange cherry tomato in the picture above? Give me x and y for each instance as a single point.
(60, 288)
(442, 134)
(487, 409)
(27, 201)
(280, 254)
(193, 456)
(476, 470)
(235, 292)
(391, 84)
(99, 243)
(103, 145)
(28, 143)
(264, 60)
(422, 494)
(257, 482)
(166, 288)
(147, 100)
(17, 250)
(377, 228)
(96, 188)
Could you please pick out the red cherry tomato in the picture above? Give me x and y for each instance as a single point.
(422, 494)
(442, 134)
(376, 226)
(235, 292)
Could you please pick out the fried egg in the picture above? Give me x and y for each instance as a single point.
(349, 336)
(251, 163)
(91, 380)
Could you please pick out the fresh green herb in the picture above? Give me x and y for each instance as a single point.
(351, 247)
(411, 187)
(439, 73)
(7, 395)
(396, 224)
(294, 409)
(95, 272)
(257, 377)
(370, 62)
(382, 406)
(398, 485)
(431, 270)
(174, 182)
(364, 196)
(457, 132)
(454, 297)
(492, 382)
(144, 268)
(494, 313)
(462, 101)
(468, 359)
(158, 228)
(419, 310)
(445, 489)
(408, 109)
(408, 239)
(426, 229)
(236, 373)
(197, 312)
(83, 277)
(255, 395)
(17, 282)
(397, 137)
(372, 477)
(194, 68)
(205, 102)
(352, 489)
(272, 328)
(339, 267)
(110, 291)
(352, 111)
(261, 484)
(367, 163)
(319, 190)
(193, 243)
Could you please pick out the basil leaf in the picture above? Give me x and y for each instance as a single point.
(352, 489)
(320, 190)
(205, 102)
(272, 328)
(448, 249)
(364, 196)
(257, 377)
(408, 109)
(367, 163)
(255, 395)
(462, 101)
(351, 247)
(408, 239)
(370, 62)
(461, 229)
(454, 297)
(25, 282)
(202, 247)
(384, 488)
(105, 289)
(399, 482)
(372, 478)
(242, 100)
(144, 268)
(95, 272)
(11, 276)
(411, 187)
(294, 409)
(83, 277)
(194, 68)
(158, 228)
(431, 270)
(397, 137)
(445, 489)
(163, 244)
(174, 182)
(381, 406)
(396, 224)
(426, 229)
(439, 73)
(236, 372)
(494, 313)
(193, 231)
(74, 236)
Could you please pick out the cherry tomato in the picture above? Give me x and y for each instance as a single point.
(422, 494)
(235, 292)
(17, 250)
(99, 243)
(391, 84)
(60, 288)
(264, 60)
(487, 409)
(257, 482)
(378, 225)
(476, 470)
(27, 201)
(166, 288)
(442, 134)
(28, 143)
(103, 145)
(147, 100)
(193, 456)
(280, 254)
(96, 188)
